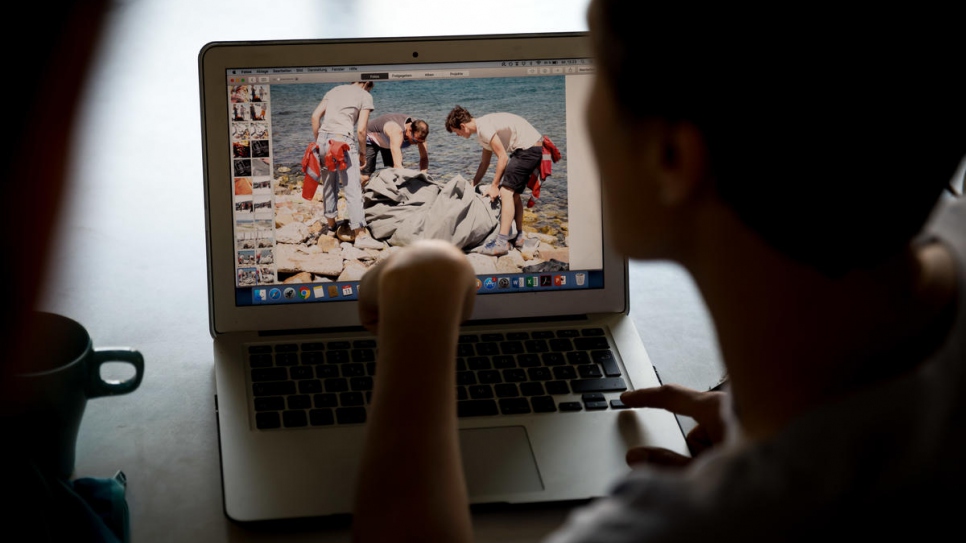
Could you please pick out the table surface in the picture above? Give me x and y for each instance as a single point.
(129, 257)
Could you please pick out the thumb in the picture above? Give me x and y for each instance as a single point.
(655, 456)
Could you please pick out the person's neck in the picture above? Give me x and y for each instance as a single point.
(792, 338)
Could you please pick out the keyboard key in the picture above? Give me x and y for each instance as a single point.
(360, 383)
(351, 399)
(589, 371)
(536, 345)
(592, 397)
(531, 389)
(557, 387)
(539, 374)
(310, 386)
(313, 346)
(515, 375)
(350, 415)
(517, 336)
(617, 404)
(528, 360)
(491, 337)
(511, 347)
(321, 417)
(269, 374)
(286, 359)
(578, 357)
(255, 349)
(571, 406)
(561, 345)
(340, 345)
(503, 361)
(261, 361)
(326, 371)
(336, 385)
(337, 357)
(313, 357)
(592, 332)
(608, 384)
(363, 355)
(542, 334)
(465, 378)
(364, 344)
(565, 372)
(553, 359)
(299, 401)
(506, 390)
(595, 406)
(271, 403)
(479, 392)
(478, 363)
(294, 419)
(287, 348)
(274, 388)
(301, 372)
(267, 420)
(607, 361)
(570, 332)
(487, 349)
(543, 404)
(353, 370)
(325, 400)
(465, 349)
(489, 377)
(590, 343)
(514, 406)
(476, 408)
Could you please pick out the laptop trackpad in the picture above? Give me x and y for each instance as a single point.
(498, 461)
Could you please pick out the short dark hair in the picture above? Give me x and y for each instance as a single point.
(420, 128)
(458, 116)
(832, 138)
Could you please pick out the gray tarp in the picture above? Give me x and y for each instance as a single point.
(403, 206)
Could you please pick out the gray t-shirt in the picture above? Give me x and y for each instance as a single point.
(344, 103)
(885, 462)
(514, 131)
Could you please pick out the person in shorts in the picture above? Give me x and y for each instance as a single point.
(518, 147)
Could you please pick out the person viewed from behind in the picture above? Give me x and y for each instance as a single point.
(827, 238)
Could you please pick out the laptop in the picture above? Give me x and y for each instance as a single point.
(549, 347)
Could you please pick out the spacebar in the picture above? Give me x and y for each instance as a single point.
(614, 384)
(476, 408)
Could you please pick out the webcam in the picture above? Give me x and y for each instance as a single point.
(415, 54)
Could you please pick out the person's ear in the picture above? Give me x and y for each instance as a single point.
(684, 163)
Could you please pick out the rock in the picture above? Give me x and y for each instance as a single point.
(353, 271)
(368, 242)
(328, 244)
(294, 232)
(482, 264)
(284, 169)
(504, 264)
(551, 253)
(303, 277)
(291, 259)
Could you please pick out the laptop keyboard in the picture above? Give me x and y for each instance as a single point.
(324, 383)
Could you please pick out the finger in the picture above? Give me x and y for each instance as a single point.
(674, 398)
(655, 456)
(369, 296)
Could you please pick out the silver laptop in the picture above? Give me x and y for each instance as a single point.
(549, 348)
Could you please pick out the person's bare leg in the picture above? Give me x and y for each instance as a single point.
(508, 206)
(518, 212)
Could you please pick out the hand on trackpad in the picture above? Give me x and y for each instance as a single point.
(498, 461)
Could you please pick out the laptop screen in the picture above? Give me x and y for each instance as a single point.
(296, 236)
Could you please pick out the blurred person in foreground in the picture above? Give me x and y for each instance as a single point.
(803, 174)
(42, 509)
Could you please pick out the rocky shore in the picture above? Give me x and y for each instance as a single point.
(305, 252)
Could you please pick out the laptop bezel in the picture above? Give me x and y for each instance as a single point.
(216, 57)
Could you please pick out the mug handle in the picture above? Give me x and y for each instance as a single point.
(99, 387)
